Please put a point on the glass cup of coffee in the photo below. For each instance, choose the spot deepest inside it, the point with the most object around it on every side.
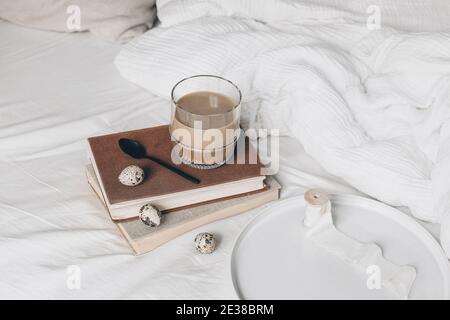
(205, 118)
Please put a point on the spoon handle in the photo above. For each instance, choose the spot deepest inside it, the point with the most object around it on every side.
(175, 170)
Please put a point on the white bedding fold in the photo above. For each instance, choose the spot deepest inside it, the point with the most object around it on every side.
(371, 107)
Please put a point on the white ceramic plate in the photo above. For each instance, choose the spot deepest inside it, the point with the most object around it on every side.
(272, 258)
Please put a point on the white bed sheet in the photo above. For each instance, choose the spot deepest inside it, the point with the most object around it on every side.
(55, 91)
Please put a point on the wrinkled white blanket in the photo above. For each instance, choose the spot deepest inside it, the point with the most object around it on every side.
(371, 106)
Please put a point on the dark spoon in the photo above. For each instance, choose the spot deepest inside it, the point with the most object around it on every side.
(136, 150)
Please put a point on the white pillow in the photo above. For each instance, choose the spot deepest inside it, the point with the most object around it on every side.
(112, 20)
(407, 15)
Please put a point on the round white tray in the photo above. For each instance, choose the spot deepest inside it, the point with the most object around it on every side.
(272, 258)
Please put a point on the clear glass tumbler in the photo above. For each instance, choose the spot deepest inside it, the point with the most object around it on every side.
(205, 119)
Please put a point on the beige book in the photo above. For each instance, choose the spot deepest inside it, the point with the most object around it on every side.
(143, 239)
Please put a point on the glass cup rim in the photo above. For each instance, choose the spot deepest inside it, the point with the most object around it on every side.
(207, 76)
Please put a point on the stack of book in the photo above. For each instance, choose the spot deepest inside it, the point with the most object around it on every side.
(223, 192)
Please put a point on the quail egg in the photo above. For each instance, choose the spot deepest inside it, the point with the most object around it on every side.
(150, 215)
(205, 242)
(131, 176)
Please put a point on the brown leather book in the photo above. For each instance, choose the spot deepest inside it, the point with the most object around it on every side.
(161, 187)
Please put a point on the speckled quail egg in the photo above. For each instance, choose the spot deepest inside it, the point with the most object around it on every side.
(131, 176)
(205, 242)
(150, 215)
